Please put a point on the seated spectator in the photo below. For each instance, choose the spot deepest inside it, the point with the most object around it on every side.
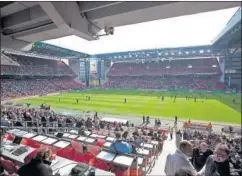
(138, 141)
(136, 132)
(125, 135)
(120, 146)
(39, 166)
(237, 162)
(180, 159)
(117, 129)
(218, 163)
(151, 133)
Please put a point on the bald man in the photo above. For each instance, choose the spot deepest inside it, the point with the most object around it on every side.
(180, 159)
(200, 155)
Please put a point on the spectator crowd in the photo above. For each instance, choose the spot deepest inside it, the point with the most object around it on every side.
(165, 82)
(203, 153)
(199, 153)
(36, 66)
(172, 67)
(14, 88)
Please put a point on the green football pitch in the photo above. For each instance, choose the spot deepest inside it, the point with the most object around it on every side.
(208, 107)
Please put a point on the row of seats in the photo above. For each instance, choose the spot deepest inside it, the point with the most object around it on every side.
(75, 152)
(165, 82)
(36, 66)
(188, 66)
(13, 88)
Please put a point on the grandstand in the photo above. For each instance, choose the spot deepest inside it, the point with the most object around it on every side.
(78, 109)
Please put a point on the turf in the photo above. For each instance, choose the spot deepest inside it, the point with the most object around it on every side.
(209, 106)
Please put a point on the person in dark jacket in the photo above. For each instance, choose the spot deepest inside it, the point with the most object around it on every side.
(217, 164)
(200, 156)
(43, 121)
(39, 166)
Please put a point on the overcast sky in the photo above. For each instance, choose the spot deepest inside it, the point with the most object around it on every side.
(192, 30)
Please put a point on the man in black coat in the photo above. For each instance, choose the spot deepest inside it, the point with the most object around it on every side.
(200, 156)
(39, 166)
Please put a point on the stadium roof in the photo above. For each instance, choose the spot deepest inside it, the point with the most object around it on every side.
(52, 50)
(231, 34)
(181, 52)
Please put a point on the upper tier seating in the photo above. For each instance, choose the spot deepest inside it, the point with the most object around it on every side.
(174, 67)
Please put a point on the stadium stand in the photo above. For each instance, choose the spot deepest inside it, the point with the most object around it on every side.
(173, 67)
(35, 76)
(36, 66)
(14, 88)
(31, 120)
(165, 82)
(198, 74)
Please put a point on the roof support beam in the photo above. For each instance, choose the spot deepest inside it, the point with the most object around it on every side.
(66, 16)
(89, 6)
(24, 18)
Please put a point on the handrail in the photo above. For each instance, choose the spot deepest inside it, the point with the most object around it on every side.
(39, 128)
(36, 125)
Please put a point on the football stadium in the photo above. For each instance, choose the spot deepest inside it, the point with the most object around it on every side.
(86, 90)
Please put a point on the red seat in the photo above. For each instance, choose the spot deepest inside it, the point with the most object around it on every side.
(33, 144)
(100, 142)
(78, 148)
(88, 156)
(30, 156)
(68, 153)
(122, 173)
(9, 137)
(102, 165)
(95, 150)
(133, 172)
(79, 158)
(8, 166)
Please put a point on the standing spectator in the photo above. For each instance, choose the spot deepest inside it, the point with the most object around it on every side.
(178, 138)
(43, 121)
(180, 159)
(200, 156)
(171, 132)
(217, 164)
(185, 135)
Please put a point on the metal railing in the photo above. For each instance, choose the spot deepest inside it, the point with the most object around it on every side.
(41, 127)
(50, 127)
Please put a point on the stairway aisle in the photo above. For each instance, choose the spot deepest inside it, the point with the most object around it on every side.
(169, 147)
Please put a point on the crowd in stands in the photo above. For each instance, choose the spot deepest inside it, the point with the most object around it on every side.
(205, 154)
(198, 74)
(202, 153)
(165, 82)
(13, 88)
(36, 66)
(173, 67)
(128, 138)
(47, 118)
